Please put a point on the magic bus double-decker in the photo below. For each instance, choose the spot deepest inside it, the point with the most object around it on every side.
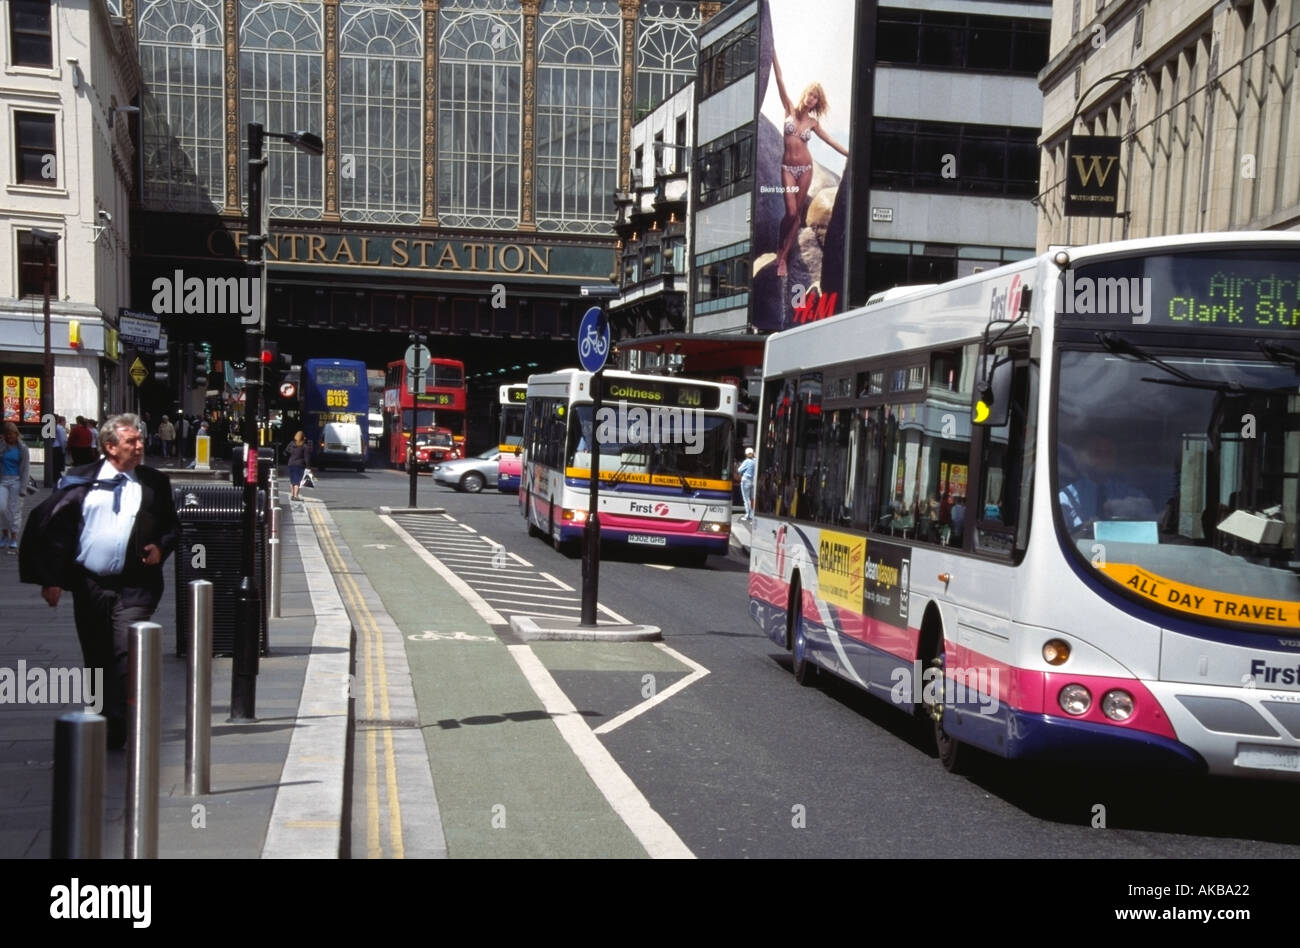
(664, 460)
(440, 406)
(510, 430)
(335, 412)
(1052, 506)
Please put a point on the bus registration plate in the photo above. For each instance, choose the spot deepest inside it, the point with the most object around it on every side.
(646, 540)
(1268, 758)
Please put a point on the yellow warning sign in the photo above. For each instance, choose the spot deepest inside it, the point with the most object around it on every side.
(840, 561)
(138, 372)
(1207, 603)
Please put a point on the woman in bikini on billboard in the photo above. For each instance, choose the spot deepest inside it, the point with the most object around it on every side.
(801, 124)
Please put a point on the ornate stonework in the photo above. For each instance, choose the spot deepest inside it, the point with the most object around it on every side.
(331, 110)
(629, 9)
(528, 146)
(430, 216)
(708, 10)
(233, 192)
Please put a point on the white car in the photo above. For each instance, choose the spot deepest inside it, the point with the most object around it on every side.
(471, 474)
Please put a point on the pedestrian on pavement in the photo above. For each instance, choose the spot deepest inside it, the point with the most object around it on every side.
(299, 456)
(60, 448)
(104, 534)
(81, 443)
(747, 467)
(166, 436)
(15, 462)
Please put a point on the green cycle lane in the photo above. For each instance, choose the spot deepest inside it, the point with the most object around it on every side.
(508, 784)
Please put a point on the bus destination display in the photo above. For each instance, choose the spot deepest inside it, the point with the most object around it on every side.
(1219, 291)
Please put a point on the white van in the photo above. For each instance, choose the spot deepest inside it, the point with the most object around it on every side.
(343, 446)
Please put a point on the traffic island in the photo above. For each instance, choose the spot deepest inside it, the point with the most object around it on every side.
(531, 629)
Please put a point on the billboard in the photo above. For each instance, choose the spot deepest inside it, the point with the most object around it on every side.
(801, 204)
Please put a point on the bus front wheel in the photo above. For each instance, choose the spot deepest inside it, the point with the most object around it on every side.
(528, 517)
(952, 754)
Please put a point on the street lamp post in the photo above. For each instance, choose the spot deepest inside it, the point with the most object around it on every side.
(48, 239)
(243, 679)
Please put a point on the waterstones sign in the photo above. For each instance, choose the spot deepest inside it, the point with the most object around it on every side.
(484, 259)
(1092, 176)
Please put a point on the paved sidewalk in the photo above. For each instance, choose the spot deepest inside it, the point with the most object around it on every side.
(248, 759)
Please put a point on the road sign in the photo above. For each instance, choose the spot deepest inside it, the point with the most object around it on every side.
(593, 340)
(288, 390)
(138, 372)
(412, 354)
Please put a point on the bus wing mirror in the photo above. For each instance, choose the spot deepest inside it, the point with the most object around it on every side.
(992, 407)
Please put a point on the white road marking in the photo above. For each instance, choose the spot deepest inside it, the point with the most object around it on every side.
(612, 614)
(490, 615)
(466, 526)
(659, 565)
(650, 829)
(530, 595)
(519, 559)
(559, 582)
(518, 602)
(531, 584)
(698, 671)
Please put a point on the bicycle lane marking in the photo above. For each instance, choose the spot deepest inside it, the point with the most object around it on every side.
(650, 829)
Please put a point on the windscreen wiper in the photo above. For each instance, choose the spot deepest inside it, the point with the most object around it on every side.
(1279, 353)
(1117, 344)
(1228, 388)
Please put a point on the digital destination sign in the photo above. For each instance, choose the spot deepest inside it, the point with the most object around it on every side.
(661, 392)
(1248, 291)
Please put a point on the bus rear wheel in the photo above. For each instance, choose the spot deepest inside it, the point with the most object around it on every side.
(798, 639)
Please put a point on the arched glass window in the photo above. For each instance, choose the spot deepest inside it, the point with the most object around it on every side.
(578, 84)
(666, 51)
(380, 52)
(183, 121)
(281, 64)
(480, 74)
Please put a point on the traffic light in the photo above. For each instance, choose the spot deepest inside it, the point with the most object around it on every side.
(199, 367)
(162, 369)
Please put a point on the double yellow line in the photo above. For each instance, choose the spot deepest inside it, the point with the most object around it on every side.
(375, 672)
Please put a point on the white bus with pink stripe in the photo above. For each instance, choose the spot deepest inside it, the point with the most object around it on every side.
(1051, 507)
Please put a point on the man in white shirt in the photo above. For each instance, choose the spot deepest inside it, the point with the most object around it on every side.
(104, 534)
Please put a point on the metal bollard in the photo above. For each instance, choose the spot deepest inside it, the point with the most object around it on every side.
(144, 734)
(276, 520)
(273, 593)
(78, 830)
(198, 692)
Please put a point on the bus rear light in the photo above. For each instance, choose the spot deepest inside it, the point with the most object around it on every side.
(1056, 651)
(574, 516)
(1117, 705)
(1075, 699)
(714, 527)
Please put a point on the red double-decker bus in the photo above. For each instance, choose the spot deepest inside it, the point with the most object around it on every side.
(441, 406)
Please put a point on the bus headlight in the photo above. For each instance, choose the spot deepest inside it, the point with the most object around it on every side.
(1056, 651)
(574, 516)
(1074, 699)
(714, 527)
(1117, 705)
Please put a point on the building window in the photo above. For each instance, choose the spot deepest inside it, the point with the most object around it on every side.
(183, 125)
(666, 52)
(962, 41)
(31, 267)
(733, 56)
(281, 85)
(35, 160)
(725, 167)
(30, 40)
(380, 53)
(480, 83)
(991, 160)
(578, 92)
(721, 279)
